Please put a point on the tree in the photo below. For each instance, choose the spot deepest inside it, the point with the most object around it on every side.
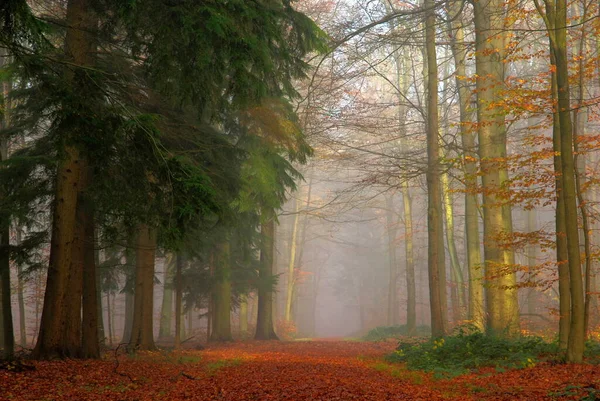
(435, 229)
(490, 41)
(555, 18)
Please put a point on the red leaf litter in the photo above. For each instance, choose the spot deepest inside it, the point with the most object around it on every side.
(309, 370)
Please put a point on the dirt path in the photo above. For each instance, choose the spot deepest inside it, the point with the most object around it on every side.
(315, 370)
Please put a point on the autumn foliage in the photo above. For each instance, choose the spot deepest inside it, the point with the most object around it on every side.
(315, 370)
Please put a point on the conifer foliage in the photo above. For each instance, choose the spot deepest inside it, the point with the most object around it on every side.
(140, 120)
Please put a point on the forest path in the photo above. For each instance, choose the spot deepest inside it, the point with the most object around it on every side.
(301, 370)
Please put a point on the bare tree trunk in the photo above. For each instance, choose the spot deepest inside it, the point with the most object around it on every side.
(435, 230)
(532, 293)
(7, 320)
(502, 301)
(221, 327)
(166, 309)
(90, 341)
(292, 264)
(178, 300)
(244, 316)
(143, 305)
(264, 320)
(392, 307)
(476, 311)
(109, 319)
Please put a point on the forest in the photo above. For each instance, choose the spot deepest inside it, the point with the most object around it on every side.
(299, 199)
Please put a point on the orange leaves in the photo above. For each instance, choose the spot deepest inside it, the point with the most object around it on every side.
(315, 370)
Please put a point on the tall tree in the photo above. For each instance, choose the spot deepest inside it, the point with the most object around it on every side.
(435, 223)
(555, 18)
(5, 290)
(490, 44)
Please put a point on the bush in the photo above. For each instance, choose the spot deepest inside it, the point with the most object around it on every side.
(383, 332)
(459, 354)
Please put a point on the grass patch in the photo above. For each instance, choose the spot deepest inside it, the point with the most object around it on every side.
(456, 355)
(214, 367)
(399, 372)
(384, 332)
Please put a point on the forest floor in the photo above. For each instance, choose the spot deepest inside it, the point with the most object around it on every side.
(301, 370)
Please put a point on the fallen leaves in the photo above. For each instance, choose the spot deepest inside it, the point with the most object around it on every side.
(310, 370)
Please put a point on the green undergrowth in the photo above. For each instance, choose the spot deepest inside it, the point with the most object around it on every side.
(462, 353)
(214, 367)
(384, 332)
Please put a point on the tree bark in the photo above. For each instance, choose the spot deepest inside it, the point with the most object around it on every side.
(221, 327)
(166, 309)
(78, 51)
(90, 346)
(502, 301)
(264, 320)
(291, 273)
(8, 339)
(178, 299)
(476, 312)
(143, 305)
(392, 305)
(435, 230)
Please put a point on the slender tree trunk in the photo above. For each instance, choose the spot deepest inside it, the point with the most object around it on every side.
(576, 343)
(392, 307)
(264, 320)
(221, 327)
(555, 18)
(579, 117)
(109, 320)
(21, 302)
(411, 288)
(532, 293)
(435, 230)
(502, 301)
(244, 316)
(143, 305)
(178, 299)
(562, 257)
(476, 312)
(292, 264)
(90, 340)
(166, 310)
(101, 335)
(7, 320)
(78, 51)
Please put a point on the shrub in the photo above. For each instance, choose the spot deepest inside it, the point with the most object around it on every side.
(383, 332)
(459, 354)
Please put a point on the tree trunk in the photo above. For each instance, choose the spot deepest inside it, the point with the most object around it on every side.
(576, 342)
(264, 320)
(244, 316)
(7, 320)
(101, 335)
(78, 51)
(109, 320)
(532, 293)
(166, 309)
(392, 306)
(221, 327)
(435, 230)
(502, 301)
(90, 340)
(143, 305)
(476, 311)
(291, 279)
(178, 299)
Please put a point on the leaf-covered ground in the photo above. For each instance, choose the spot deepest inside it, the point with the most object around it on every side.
(311, 370)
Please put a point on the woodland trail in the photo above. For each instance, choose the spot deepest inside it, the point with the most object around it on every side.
(311, 370)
